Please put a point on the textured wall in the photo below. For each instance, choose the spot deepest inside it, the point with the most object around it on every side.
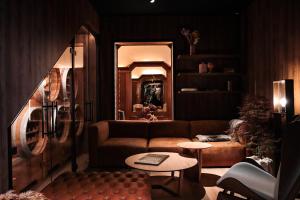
(33, 35)
(218, 34)
(273, 45)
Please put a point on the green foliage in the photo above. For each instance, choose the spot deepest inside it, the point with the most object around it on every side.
(257, 112)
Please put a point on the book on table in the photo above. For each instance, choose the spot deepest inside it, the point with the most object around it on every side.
(152, 159)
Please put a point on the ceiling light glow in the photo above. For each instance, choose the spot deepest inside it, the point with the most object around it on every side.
(152, 1)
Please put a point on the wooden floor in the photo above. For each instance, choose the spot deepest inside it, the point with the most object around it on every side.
(192, 190)
(210, 189)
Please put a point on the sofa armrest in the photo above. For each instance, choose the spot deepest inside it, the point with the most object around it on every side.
(97, 133)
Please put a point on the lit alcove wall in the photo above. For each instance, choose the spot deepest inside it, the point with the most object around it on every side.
(134, 53)
(141, 60)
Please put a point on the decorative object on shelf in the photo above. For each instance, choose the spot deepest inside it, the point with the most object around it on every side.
(192, 37)
(210, 66)
(256, 128)
(202, 68)
(138, 107)
(228, 70)
(188, 89)
(229, 86)
(121, 114)
(283, 98)
(149, 112)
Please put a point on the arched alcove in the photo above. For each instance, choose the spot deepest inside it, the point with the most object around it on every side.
(138, 68)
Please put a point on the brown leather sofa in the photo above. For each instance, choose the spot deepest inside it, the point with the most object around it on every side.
(111, 142)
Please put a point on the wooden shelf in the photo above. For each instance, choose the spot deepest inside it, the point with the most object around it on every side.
(208, 81)
(212, 100)
(200, 56)
(208, 92)
(207, 74)
(186, 63)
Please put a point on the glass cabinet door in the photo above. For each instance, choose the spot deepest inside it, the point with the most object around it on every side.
(61, 106)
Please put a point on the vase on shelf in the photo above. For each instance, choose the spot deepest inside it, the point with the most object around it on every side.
(202, 68)
(210, 66)
(192, 49)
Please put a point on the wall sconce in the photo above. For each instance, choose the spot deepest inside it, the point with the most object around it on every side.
(283, 97)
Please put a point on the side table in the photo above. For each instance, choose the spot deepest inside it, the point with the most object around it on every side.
(196, 146)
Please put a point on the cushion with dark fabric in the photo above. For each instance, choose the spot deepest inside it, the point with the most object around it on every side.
(169, 129)
(208, 127)
(166, 144)
(128, 129)
(213, 138)
(100, 185)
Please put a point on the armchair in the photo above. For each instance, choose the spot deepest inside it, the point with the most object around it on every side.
(252, 182)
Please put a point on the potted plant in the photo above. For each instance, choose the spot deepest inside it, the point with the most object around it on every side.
(256, 130)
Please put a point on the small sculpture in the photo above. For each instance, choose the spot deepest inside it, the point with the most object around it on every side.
(192, 37)
(149, 112)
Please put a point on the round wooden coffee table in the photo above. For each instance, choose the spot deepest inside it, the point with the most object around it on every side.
(196, 146)
(174, 162)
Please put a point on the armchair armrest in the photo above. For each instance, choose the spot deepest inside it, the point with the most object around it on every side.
(97, 133)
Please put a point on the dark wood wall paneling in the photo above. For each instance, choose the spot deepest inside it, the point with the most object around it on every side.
(218, 34)
(273, 45)
(33, 35)
(3, 112)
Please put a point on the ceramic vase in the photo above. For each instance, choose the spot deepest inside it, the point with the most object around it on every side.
(192, 49)
(210, 66)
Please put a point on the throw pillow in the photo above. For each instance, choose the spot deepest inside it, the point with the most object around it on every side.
(242, 132)
(213, 138)
(233, 129)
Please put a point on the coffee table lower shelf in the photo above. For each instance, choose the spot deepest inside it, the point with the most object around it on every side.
(163, 182)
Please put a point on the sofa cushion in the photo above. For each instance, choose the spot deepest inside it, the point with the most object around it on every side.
(114, 151)
(169, 129)
(128, 129)
(223, 154)
(208, 127)
(125, 143)
(213, 138)
(166, 144)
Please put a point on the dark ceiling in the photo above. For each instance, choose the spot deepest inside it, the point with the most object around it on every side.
(169, 7)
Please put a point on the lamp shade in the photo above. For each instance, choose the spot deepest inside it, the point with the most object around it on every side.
(283, 97)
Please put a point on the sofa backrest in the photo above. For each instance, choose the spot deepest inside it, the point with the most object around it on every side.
(207, 127)
(129, 129)
(169, 129)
